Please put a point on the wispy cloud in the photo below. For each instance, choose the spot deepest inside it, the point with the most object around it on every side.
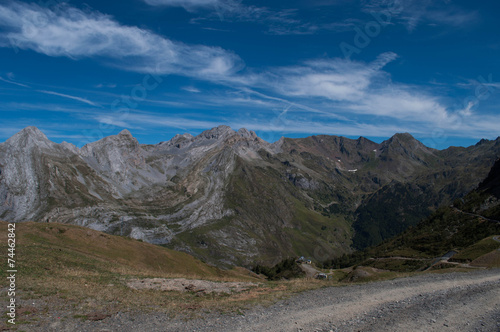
(191, 89)
(106, 85)
(416, 12)
(278, 22)
(187, 4)
(70, 32)
(113, 121)
(12, 82)
(137, 120)
(309, 28)
(411, 13)
(309, 126)
(335, 89)
(83, 100)
(347, 88)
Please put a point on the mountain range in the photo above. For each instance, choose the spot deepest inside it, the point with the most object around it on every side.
(231, 198)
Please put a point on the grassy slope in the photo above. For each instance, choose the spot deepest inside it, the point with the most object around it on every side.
(477, 250)
(76, 271)
(50, 247)
(89, 269)
(293, 229)
(447, 229)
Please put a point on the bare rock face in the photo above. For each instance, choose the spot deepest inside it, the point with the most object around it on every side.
(21, 174)
(121, 160)
(229, 197)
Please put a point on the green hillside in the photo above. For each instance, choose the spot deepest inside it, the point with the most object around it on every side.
(467, 227)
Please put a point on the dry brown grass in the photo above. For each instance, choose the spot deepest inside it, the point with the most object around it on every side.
(84, 271)
(490, 260)
(88, 269)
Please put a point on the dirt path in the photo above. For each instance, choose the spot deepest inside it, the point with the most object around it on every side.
(476, 215)
(430, 302)
(362, 305)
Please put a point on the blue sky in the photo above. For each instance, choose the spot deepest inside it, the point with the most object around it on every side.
(80, 71)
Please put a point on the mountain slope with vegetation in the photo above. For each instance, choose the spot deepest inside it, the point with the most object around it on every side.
(467, 227)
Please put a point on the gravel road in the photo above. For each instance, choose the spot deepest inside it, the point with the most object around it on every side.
(430, 302)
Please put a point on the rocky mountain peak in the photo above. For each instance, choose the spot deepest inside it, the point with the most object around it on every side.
(124, 138)
(112, 149)
(403, 137)
(405, 140)
(29, 137)
(362, 139)
(69, 146)
(125, 132)
(404, 153)
(219, 132)
(183, 136)
(486, 141)
(179, 141)
(245, 133)
(362, 142)
(32, 132)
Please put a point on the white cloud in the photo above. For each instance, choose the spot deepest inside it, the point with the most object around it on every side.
(493, 85)
(191, 89)
(106, 85)
(279, 22)
(188, 4)
(70, 32)
(398, 103)
(328, 89)
(346, 87)
(83, 100)
(9, 130)
(113, 121)
(12, 82)
(136, 120)
(467, 111)
(335, 79)
(415, 12)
